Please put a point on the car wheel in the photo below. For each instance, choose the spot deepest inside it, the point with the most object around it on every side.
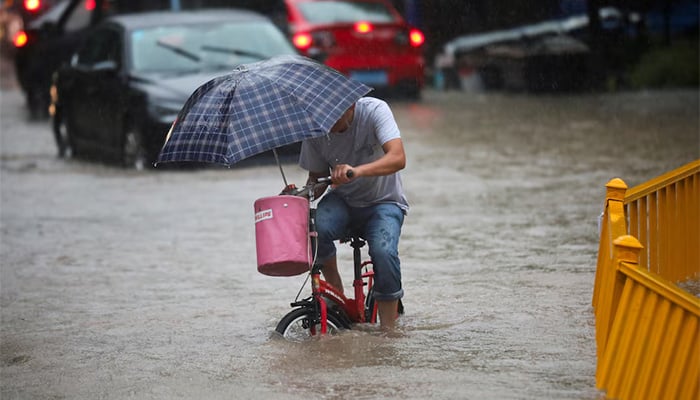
(133, 152)
(62, 135)
(38, 104)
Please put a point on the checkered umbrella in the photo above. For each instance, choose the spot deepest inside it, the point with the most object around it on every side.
(259, 107)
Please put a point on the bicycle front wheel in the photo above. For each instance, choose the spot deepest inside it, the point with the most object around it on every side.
(301, 324)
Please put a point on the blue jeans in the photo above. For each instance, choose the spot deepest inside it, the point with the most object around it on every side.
(380, 225)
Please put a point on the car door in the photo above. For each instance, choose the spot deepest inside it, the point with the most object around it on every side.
(96, 89)
(109, 82)
(78, 91)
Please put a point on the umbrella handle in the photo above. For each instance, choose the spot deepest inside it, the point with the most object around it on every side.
(284, 178)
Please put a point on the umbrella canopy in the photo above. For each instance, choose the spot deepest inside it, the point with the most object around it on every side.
(259, 107)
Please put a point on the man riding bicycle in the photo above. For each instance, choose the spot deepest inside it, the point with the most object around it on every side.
(368, 200)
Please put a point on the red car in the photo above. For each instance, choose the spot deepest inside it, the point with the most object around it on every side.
(368, 40)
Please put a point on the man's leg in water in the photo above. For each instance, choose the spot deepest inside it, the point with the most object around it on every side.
(388, 313)
(330, 273)
(382, 232)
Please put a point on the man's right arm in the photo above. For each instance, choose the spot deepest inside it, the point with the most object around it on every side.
(311, 160)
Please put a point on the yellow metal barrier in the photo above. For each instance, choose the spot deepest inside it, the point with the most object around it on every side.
(664, 215)
(648, 329)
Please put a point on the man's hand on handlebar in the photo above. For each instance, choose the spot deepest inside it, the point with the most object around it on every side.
(290, 190)
(342, 173)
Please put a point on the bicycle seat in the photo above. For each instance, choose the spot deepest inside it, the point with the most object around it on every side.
(350, 235)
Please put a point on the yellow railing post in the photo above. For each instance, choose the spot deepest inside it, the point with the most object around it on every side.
(612, 226)
(626, 249)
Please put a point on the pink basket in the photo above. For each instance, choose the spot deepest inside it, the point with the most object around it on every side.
(282, 235)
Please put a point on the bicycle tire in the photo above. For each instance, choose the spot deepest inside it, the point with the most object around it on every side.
(370, 305)
(295, 325)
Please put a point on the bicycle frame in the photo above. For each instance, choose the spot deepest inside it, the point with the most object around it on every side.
(354, 308)
(348, 310)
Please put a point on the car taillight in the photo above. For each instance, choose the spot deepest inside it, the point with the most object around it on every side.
(32, 5)
(363, 27)
(20, 39)
(416, 37)
(89, 5)
(302, 41)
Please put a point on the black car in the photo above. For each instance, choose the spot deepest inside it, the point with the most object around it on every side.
(124, 87)
(59, 27)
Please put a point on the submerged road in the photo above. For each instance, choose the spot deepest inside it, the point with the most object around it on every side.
(120, 284)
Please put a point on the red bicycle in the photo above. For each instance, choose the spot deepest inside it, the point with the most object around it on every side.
(327, 310)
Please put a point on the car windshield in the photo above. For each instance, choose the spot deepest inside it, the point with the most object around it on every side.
(323, 12)
(173, 49)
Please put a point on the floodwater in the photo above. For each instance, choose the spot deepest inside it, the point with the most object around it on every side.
(119, 284)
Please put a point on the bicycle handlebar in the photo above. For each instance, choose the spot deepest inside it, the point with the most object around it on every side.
(325, 179)
(306, 190)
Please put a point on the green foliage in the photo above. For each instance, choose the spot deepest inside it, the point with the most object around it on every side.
(669, 66)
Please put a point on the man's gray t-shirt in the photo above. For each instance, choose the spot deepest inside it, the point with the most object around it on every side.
(373, 125)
